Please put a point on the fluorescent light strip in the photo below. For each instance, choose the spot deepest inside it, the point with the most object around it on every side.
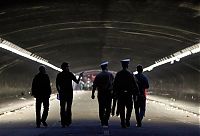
(174, 57)
(22, 52)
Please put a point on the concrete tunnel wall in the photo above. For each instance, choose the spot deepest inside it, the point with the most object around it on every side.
(16, 75)
(178, 81)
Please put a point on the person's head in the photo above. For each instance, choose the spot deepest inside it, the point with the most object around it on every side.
(42, 69)
(125, 63)
(139, 68)
(104, 65)
(65, 66)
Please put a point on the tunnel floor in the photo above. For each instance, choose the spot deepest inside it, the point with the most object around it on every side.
(160, 120)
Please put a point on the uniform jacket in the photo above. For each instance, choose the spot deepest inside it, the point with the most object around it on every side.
(125, 81)
(103, 82)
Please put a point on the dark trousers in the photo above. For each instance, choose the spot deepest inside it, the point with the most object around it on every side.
(65, 110)
(114, 105)
(125, 104)
(140, 108)
(39, 102)
(104, 108)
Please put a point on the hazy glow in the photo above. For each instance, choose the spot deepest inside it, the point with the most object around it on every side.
(22, 52)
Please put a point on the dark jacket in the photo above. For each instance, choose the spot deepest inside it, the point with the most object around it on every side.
(64, 82)
(142, 82)
(41, 86)
(125, 81)
(104, 82)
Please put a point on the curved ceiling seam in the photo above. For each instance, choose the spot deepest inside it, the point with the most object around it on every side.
(5, 66)
(192, 67)
(151, 35)
(156, 32)
(167, 34)
(120, 22)
(178, 38)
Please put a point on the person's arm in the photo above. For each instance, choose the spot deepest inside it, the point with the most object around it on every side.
(136, 88)
(49, 85)
(147, 83)
(94, 87)
(80, 75)
(33, 88)
(113, 106)
(93, 91)
(79, 78)
(57, 83)
(116, 86)
(112, 81)
(115, 94)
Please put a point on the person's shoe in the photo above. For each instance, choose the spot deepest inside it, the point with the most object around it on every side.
(38, 126)
(104, 126)
(44, 123)
(102, 123)
(139, 125)
(128, 123)
(106, 123)
(68, 124)
(123, 125)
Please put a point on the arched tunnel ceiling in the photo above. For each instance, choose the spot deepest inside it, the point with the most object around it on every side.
(85, 32)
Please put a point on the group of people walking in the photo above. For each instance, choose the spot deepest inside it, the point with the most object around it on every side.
(114, 93)
(41, 90)
(125, 89)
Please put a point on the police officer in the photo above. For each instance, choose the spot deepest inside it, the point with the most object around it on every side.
(104, 84)
(125, 88)
(140, 105)
(64, 86)
(41, 90)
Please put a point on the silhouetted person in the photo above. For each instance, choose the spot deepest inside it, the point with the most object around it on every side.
(103, 82)
(41, 90)
(125, 88)
(140, 105)
(64, 86)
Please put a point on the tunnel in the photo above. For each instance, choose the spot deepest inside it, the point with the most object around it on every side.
(87, 32)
